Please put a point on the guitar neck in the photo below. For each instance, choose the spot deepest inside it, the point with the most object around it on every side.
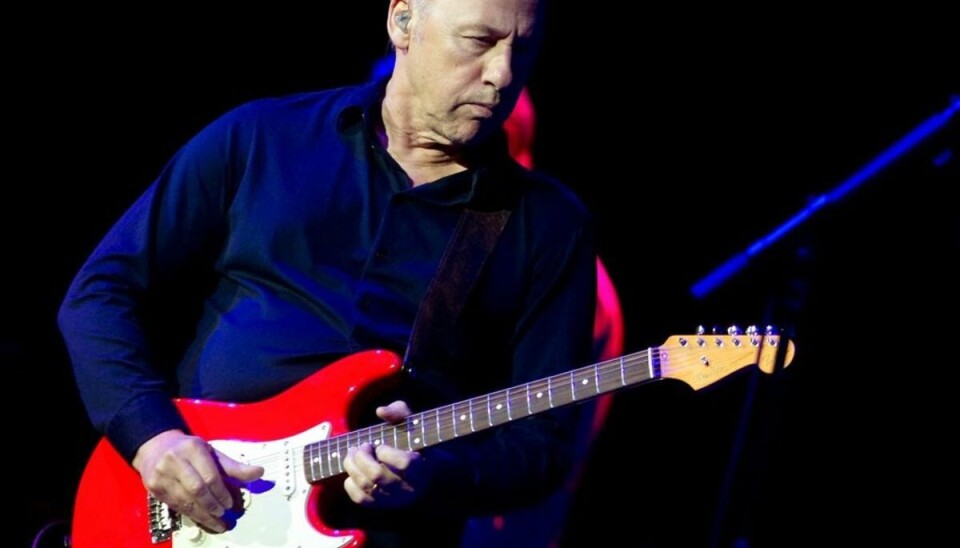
(322, 459)
(698, 360)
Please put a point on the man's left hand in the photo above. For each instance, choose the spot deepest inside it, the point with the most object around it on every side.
(385, 476)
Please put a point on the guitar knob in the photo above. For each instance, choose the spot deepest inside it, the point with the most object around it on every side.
(190, 531)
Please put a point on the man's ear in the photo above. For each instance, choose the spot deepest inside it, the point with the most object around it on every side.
(398, 23)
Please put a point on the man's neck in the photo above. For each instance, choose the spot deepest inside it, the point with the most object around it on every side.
(423, 158)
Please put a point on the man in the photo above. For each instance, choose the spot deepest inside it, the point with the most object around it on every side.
(313, 225)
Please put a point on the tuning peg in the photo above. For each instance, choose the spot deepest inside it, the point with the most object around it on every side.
(734, 333)
(771, 333)
(751, 330)
(701, 330)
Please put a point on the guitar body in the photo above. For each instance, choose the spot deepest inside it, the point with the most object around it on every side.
(302, 435)
(112, 508)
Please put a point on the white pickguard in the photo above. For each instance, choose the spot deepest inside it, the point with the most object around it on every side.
(275, 507)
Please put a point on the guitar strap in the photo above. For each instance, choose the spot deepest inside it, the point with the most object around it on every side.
(473, 239)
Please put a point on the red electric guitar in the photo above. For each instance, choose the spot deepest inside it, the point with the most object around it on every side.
(300, 438)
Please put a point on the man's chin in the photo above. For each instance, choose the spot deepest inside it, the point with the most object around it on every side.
(472, 131)
(467, 135)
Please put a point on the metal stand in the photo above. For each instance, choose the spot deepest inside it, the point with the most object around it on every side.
(783, 309)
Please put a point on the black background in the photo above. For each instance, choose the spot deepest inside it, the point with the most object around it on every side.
(690, 135)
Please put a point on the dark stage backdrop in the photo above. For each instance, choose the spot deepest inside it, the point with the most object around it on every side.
(689, 136)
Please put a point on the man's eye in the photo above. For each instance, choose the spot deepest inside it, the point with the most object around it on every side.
(481, 41)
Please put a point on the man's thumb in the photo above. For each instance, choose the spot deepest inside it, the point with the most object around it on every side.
(239, 470)
(394, 412)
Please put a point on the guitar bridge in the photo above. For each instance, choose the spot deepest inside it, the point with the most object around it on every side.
(163, 520)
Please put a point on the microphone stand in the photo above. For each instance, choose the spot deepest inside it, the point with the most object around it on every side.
(792, 301)
(706, 285)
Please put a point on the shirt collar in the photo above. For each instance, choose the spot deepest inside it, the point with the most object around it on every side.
(359, 113)
(362, 101)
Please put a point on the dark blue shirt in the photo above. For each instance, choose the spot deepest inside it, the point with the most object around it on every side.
(309, 243)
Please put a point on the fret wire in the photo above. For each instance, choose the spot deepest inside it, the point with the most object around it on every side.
(489, 414)
(470, 407)
(320, 454)
(308, 455)
(339, 454)
(550, 392)
(423, 430)
(453, 417)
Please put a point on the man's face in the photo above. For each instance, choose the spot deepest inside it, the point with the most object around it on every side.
(466, 63)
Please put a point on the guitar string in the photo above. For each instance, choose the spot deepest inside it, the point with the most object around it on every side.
(409, 427)
(633, 375)
(633, 367)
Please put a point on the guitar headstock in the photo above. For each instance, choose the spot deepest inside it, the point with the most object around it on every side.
(704, 358)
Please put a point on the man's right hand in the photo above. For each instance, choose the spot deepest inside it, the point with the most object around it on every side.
(192, 477)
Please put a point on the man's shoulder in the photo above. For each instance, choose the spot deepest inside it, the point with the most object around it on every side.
(545, 190)
(299, 105)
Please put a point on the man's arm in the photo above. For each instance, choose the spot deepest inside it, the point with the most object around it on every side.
(173, 227)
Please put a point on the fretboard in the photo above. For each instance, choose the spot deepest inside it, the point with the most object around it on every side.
(323, 459)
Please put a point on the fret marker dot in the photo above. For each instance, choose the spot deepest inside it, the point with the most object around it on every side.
(334, 455)
(377, 442)
(316, 459)
(539, 394)
(463, 417)
(416, 421)
(416, 440)
(499, 406)
(585, 382)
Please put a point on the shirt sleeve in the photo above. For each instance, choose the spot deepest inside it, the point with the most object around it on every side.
(173, 228)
